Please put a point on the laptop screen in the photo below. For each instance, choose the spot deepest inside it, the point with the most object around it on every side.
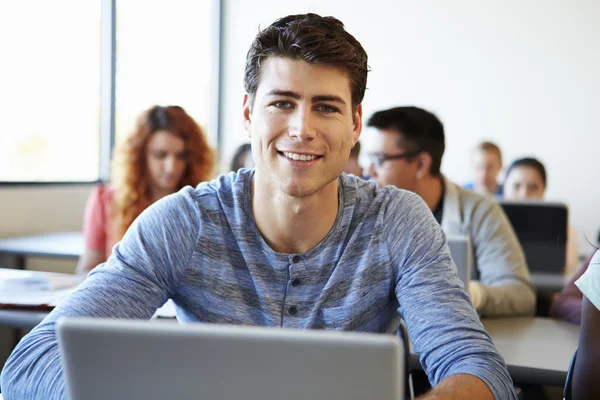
(542, 231)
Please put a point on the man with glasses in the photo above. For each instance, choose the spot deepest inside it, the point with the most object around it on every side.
(407, 148)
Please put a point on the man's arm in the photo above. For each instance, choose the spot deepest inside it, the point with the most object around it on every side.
(504, 287)
(441, 321)
(459, 387)
(137, 279)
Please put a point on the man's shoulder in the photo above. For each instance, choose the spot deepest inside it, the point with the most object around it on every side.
(475, 201)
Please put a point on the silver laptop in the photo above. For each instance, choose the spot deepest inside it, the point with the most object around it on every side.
(461, 252)
(140, 360)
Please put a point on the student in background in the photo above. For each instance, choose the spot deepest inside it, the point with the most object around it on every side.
(166, 151)
(352, 166)
(292, 243)
(526, 180)
(408, 146)
(487, 163)
(586, 384)
(242, 158)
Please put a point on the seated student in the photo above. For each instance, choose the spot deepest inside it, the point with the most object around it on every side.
(166, 151)
(567, 304)
(586, 384)
(293, 243)
(526, 180)
(487, 163)
(352, 166)
(242, 158)
(408, 146)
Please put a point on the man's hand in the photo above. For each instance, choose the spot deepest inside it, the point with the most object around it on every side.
(461, 386)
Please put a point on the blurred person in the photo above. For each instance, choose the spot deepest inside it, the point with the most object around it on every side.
(526, 180)
(408, 145)
(242, 158)
(166, 151)
(487, 163)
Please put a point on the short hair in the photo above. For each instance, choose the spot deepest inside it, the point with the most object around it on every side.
(240, 156)
(490, 148)
(355, 151)
(310, 38)
(531, 163)
(418, 130)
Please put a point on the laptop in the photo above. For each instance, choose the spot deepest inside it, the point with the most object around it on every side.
(461, 253)
(541, 228)
(141, 360)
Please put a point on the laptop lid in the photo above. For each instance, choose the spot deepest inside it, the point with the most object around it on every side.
(541, 228)
(124, 359)
(461, 251)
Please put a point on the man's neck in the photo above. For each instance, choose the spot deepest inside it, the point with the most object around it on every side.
(293, 224)
(431, 190)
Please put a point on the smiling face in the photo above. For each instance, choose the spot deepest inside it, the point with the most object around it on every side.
(301, 125)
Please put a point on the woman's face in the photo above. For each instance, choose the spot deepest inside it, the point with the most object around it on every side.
(524, 183)
(166, 161)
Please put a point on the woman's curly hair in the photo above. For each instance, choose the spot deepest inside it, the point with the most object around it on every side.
(130, 178)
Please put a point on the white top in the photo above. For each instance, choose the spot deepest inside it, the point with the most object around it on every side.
(589, 283)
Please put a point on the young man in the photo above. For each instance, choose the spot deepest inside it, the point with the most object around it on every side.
(487, 163)
(293, 243)
(407, 150)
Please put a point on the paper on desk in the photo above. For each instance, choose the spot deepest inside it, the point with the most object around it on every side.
(48, 298)
(28, 281)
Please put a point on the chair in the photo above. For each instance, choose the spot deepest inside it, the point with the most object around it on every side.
(569, 380)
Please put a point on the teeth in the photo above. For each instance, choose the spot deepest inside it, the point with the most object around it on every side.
(299, 157)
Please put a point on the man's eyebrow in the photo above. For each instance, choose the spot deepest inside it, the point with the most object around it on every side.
(328, 97)
(285, 93)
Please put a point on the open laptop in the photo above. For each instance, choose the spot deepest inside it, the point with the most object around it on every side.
(461, 253)
(140, 360)
(542, 231)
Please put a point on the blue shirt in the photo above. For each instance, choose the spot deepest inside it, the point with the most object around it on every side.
(499, 191)
(200, 247)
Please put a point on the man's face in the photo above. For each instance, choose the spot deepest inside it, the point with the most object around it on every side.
(301, 125)
(486, 166)
(401, 171)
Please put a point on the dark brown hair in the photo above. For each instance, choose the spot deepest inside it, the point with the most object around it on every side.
(314, 39)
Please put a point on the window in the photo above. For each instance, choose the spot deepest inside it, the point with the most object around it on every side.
(164, 57)
(50, 96)
(56, 123)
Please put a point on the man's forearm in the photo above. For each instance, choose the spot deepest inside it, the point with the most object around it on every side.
(461, 386)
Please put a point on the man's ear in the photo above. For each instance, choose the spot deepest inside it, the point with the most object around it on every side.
(357, 129)
(247, 114)
(424, 162)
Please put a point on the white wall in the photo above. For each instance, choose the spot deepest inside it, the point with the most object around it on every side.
(28, 210)
(522, 74)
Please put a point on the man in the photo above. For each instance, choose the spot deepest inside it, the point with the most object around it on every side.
(487, 163)
(407, 149)
(293, 243)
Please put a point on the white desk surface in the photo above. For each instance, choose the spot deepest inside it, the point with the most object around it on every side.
(536, 350)
(57, 244)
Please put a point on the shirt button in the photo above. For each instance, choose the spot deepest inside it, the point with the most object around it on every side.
(295, 282)
(293, 310)
(296, 259)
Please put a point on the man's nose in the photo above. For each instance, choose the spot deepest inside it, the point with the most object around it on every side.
(302, 125)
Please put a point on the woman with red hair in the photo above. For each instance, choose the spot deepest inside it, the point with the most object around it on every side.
(166, 151)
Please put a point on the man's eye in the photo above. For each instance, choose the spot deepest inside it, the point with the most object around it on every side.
(327, 109)
(282, 104)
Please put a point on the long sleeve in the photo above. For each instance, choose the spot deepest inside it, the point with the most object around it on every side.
(504, 279)
(441, 321)
(136, 280)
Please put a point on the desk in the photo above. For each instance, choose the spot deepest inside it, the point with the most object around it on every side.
(536, 350)
(57, 245)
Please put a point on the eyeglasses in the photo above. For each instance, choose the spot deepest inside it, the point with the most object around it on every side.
(379, 158)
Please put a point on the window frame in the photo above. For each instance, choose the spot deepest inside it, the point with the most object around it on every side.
(106, 129)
